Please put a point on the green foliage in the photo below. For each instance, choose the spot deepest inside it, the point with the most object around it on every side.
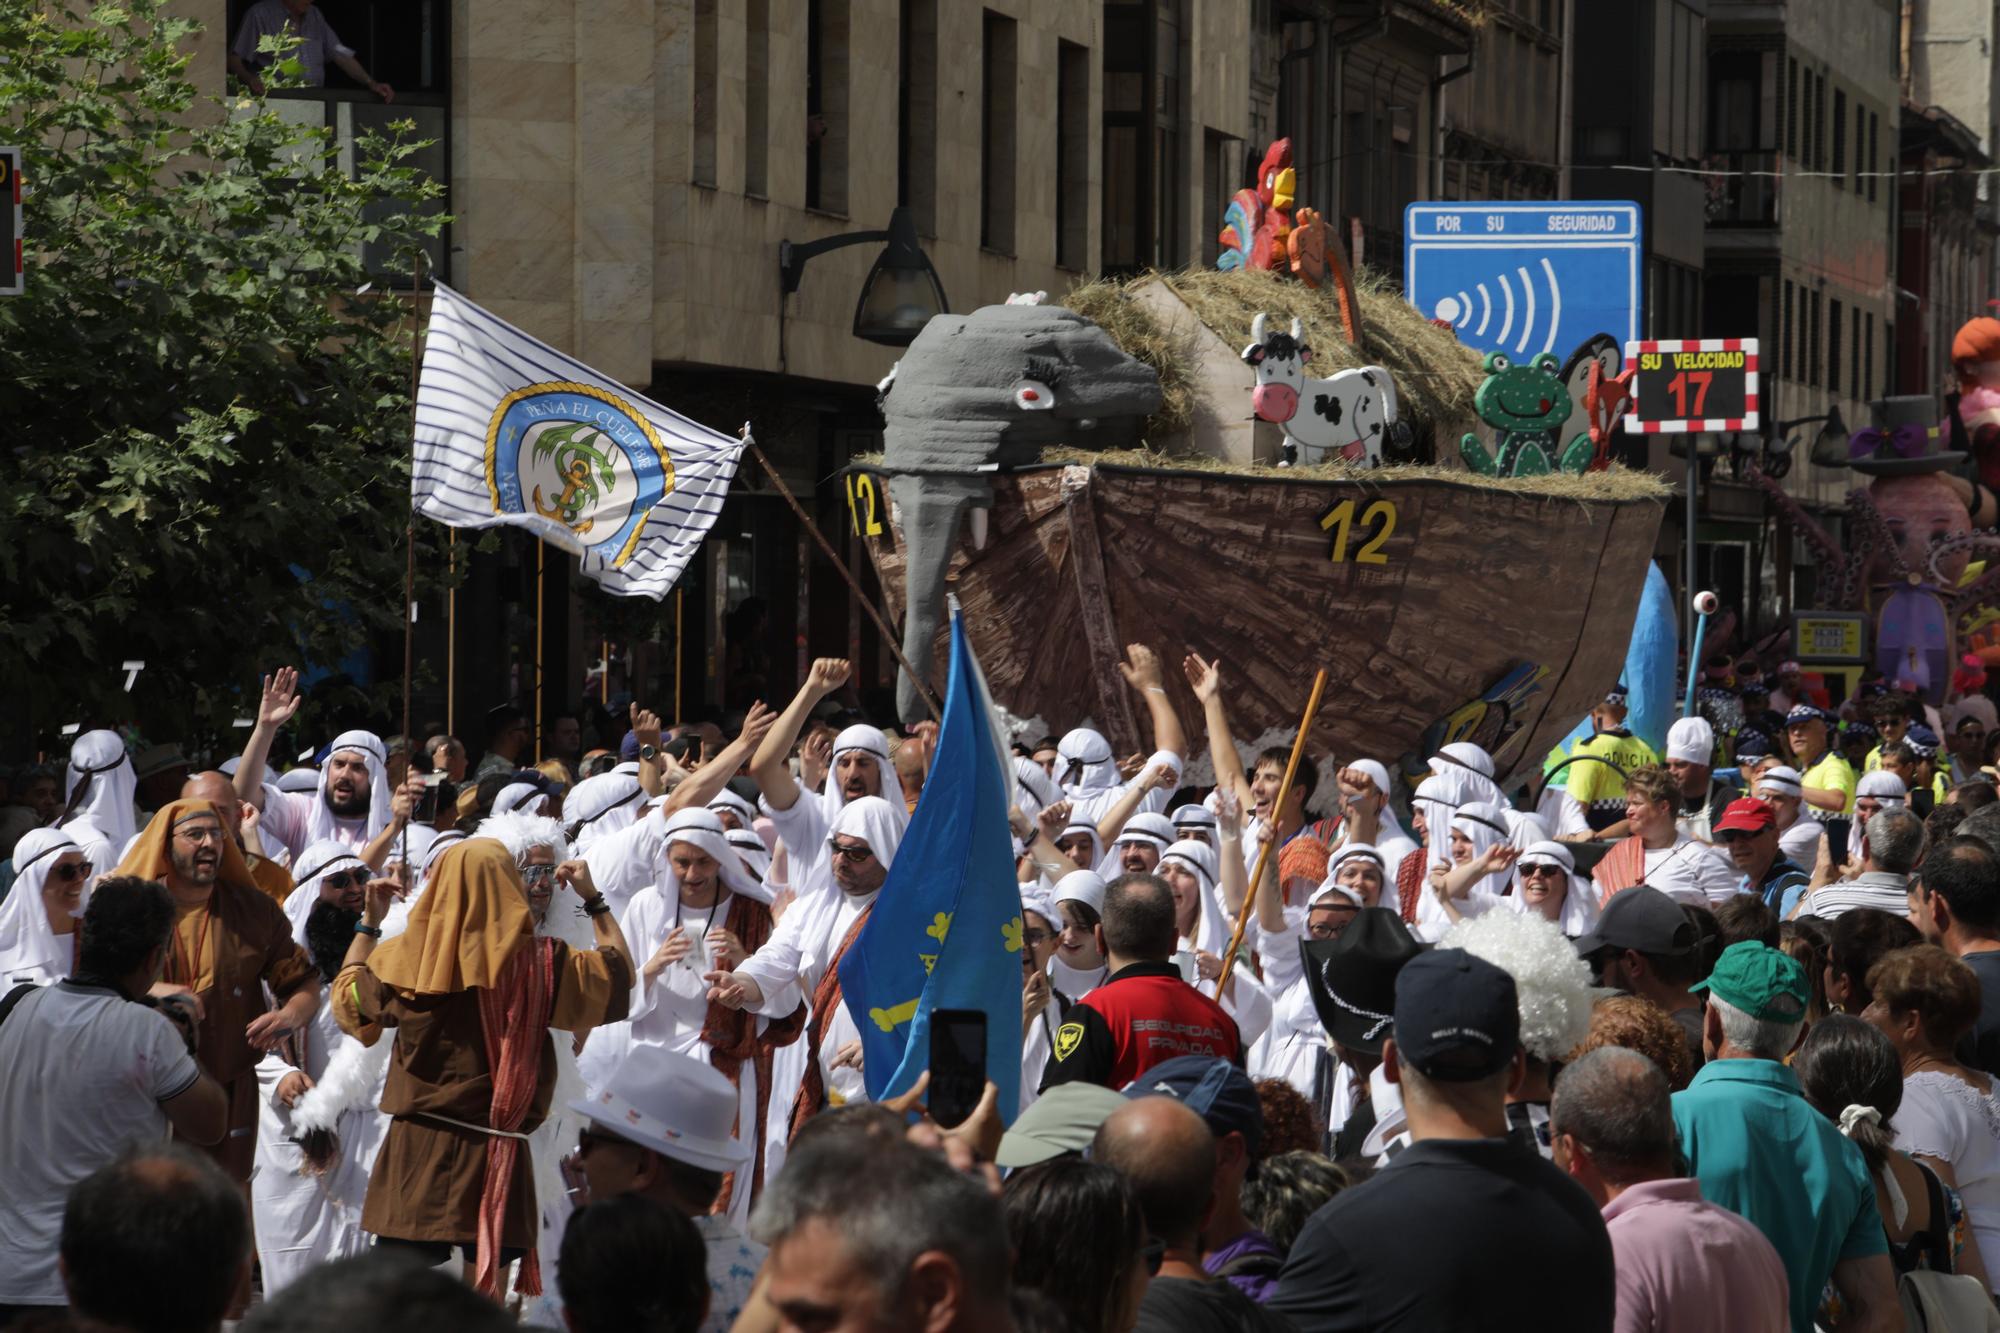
(200, 390)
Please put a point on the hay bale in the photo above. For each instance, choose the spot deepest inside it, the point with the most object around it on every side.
(1436, 375)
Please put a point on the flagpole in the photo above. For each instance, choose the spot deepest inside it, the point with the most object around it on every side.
(1277, 808)
(451, 639)
(680, 594)
(826, 548)
(541, 556)
(410, 545)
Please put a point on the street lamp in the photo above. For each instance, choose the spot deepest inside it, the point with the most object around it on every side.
(902, 291)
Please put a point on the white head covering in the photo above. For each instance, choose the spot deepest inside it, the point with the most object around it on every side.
(598, 807)
(1034, 790)
(701, 830)
(1080, 886)
(1211, 934)
(1147, 827)
(525, 797)
(320, 823)
(1084, 764)
(1782, 780)
(298, 780)
(27, 945)
(1192, 815)
(1434, 797)
(745, 812)
(750, 849)
(419, 838)
(320, 859)
(1523, 828)
(1077, 826)
(1359, 851)
(1042, 904)
(1884, 786)
(868, 740)
(1486, 825)
(1692, 741)
(440, 844)
(1579, 911)
(1468, 773)
(99, 758)
(1389, 827)
(876, 822)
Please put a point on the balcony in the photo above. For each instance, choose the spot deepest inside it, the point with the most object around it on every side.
(1736, 199)
(352, 113)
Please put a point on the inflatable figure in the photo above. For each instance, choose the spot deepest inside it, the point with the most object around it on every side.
(1526, 406)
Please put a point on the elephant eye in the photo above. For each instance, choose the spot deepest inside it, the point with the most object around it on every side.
(1033, 396)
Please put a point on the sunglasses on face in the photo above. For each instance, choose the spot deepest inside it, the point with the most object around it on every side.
(1728, 836)
(587, 1138)
(537, 874)
(345, 879)
(1540, 868)
(852, 855)
(69, 870)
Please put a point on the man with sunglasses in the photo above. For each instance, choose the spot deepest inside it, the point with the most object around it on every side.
(1748, 831)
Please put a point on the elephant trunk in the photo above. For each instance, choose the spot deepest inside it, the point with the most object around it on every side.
(930, 506)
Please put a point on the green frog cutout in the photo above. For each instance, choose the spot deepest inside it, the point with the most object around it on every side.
(1526, 406)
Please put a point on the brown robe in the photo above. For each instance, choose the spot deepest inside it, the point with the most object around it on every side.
(239, 944)
(429, 1175)
(733, 1038)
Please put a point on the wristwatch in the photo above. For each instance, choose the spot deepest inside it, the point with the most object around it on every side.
(648, 753)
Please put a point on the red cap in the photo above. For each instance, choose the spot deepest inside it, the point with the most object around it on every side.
(1747, 815)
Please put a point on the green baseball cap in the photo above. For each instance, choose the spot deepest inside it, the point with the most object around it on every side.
(1767, 984)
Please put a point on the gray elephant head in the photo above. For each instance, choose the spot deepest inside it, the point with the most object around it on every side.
(984, 391)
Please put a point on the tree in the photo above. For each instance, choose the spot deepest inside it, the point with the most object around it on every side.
(205, 392)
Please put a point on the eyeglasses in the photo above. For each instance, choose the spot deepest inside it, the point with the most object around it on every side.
(198, 836)
(1540, 868)
(69, 870)
(537, 874)
(1032, 935)
(852, 855)
(345, 879)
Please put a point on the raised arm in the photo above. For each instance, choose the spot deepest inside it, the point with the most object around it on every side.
(1130, 799)
(706, 783)
(1205, 678)
(274, 710)
(1141, 669)
(653, 771)
(769, 764)
(400, 806)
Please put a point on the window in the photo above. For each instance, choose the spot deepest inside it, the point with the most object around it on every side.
(1867, 388)
(996, 134)
(1860, 142)
(1874, 158)
(1785, 334)
(916, 115)
(826, 105)
(1833, 348)
(757, 98)
(702, 169)
(1072, 155)
(1816, 123)
(1839, 136)
(1811, 367)
(1792, 108)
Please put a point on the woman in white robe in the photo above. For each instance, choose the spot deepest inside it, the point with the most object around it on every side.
(41, 912)
(1191, 871)
(1290, 1049)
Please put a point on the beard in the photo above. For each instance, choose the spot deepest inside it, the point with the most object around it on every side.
(353, 805)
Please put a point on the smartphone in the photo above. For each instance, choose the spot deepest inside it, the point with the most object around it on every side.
(427, 804)
(958, 1064)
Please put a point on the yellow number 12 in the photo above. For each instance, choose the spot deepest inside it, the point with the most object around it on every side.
(1339, 520)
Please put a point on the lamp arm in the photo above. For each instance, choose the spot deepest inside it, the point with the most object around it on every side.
(792, 255)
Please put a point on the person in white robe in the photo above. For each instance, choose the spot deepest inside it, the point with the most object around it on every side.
(598, 807)
(1078, 967)
(1042, 1004)
(1543, 881)
(1366, 817)
(1799, 834)
(99, 789)
(1468, 769)
(328, 871)
(339, 808)
(1290, 1049)
(1192, 870)
(1193, 822)
(1138, 847)
(1876, 791)
(40, 916)
(525, 797)
(735, 812)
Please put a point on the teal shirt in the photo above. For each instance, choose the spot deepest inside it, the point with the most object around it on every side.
(1760, 1150)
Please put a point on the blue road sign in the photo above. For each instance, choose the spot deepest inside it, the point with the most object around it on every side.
(1525, 278)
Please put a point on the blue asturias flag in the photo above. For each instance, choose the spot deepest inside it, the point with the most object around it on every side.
(946, 932)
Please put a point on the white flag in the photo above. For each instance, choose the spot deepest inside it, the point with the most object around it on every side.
(509, 430)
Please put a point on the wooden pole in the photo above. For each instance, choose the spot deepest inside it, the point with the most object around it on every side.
(604, 677)
(410, 549)
(451, 638)
(680, 596)
(867, 605)
(1264, 854)
(541, 558)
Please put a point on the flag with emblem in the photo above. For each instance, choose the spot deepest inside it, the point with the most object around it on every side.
(511, 431)
(946, 932)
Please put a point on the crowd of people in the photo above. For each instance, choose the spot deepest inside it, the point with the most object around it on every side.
(1696, 1038)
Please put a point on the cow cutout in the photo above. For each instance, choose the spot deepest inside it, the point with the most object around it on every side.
(1350, 415)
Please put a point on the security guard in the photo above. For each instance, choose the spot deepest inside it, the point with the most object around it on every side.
(1144, 1014)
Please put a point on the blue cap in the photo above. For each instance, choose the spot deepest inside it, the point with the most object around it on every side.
(629, 747)
(1213, 1089)
(1922, 740)
(1804, 713)
(1458, 1019)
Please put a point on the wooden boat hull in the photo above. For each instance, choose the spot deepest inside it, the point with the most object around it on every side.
(1444, 611)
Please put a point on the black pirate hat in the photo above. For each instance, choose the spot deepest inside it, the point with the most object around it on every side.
(1353, 978)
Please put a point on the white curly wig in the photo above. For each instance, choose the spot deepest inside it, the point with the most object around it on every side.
(1551, 982)
(519, 833)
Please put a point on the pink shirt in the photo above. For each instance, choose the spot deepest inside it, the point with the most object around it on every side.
(1688, 1266)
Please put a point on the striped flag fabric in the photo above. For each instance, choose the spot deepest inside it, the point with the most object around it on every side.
(511, 431)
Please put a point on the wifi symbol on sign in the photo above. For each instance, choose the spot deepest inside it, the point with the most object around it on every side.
(1509, 305)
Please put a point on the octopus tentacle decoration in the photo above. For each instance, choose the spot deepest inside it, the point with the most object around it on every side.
(1843, 581)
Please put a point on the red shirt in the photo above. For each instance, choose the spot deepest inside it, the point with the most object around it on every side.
(1143, 1016)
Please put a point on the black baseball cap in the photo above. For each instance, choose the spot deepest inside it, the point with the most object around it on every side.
(1213, 1089)
(1457, 1016)
(1641, 918)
